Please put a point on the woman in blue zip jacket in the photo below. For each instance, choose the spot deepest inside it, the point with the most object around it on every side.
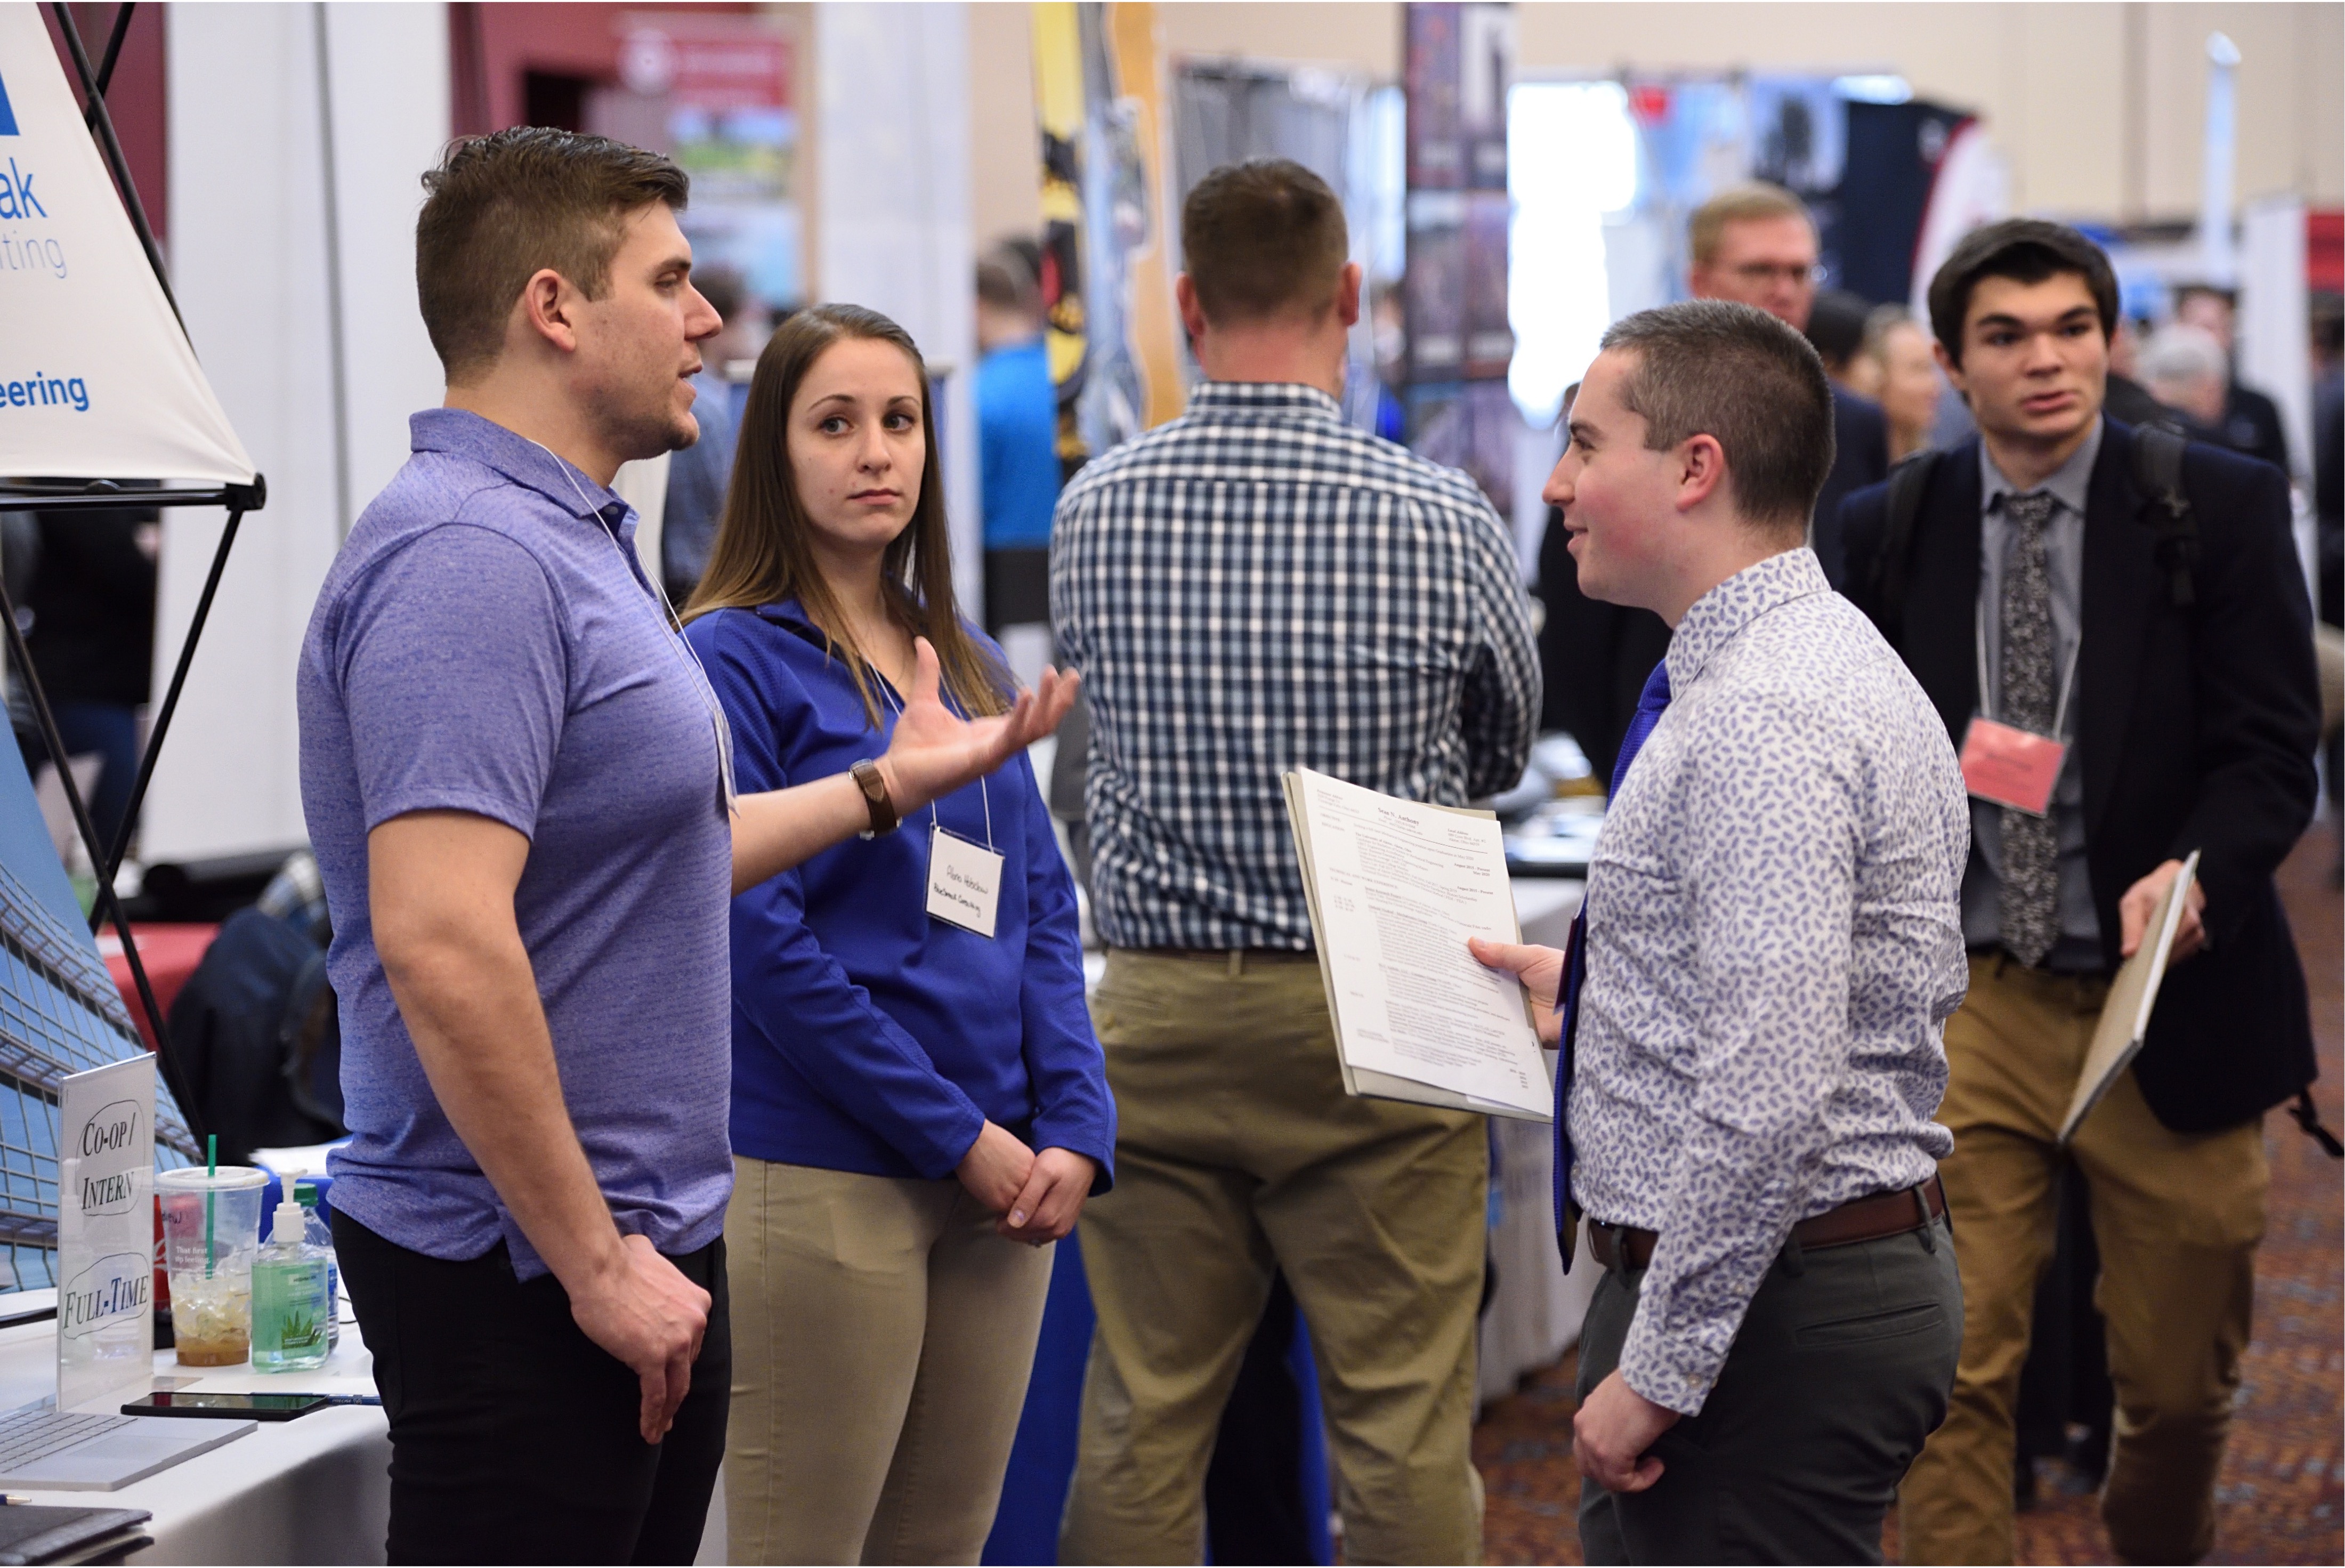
(919, 1105)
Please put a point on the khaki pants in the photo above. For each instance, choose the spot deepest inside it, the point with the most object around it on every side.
(2176, 1216)
(1239, 1152)
(882, 1335)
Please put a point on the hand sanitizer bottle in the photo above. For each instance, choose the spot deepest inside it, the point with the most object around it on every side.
(322, 1236)
(290, 1308)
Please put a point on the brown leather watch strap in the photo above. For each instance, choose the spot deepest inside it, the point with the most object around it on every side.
(874, 785)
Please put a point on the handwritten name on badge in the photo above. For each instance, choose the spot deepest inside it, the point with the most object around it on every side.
(964, 883)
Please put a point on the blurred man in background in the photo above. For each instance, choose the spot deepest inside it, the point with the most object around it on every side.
(1595, 656)
(2184, 367)
(1835, 331)
(1905, 378)
(2249, 422)
(1756, 245)
(697, 475)
(1017, 442)
(91, 632)
(2128, 400)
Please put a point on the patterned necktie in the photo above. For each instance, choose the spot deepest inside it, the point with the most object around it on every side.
(1649, 703)
(2031, 846)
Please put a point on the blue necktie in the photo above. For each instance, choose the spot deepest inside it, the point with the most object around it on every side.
(1649, 703)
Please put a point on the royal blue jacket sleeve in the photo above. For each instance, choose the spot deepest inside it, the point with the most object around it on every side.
(1073, 1107)
(790, 995)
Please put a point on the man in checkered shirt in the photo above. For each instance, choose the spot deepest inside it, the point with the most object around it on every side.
(1252, 588)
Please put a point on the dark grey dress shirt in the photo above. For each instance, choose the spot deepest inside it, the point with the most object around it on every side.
(2079, 944)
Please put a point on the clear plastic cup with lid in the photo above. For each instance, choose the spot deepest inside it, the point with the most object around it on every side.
(211, 1233)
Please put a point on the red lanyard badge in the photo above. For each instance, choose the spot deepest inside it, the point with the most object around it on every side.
(2005, 765)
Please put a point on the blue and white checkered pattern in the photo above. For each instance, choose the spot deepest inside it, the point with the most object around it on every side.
(1257, 587)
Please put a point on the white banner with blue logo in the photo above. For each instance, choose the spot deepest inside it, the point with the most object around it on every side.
(97, 378)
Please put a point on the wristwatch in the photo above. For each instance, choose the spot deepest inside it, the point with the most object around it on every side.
(874, 785)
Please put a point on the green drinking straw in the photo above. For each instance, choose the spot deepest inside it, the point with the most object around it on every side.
(211, 1168)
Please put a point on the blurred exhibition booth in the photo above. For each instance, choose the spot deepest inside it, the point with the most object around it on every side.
(1517, 177)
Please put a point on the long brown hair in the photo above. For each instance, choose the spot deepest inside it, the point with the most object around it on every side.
(761, 554)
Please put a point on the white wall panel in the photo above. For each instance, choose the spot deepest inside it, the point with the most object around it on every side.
(892, 189)
(248, 260)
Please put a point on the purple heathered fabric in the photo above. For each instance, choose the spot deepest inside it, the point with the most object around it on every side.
(484, 643)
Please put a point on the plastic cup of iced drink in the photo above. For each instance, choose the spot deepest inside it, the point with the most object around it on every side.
(211, 1231)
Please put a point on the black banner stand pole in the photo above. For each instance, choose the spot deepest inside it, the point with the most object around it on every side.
(113, 53)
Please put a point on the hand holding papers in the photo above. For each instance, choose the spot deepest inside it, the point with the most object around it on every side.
(1395, 887)
(2124, 1017)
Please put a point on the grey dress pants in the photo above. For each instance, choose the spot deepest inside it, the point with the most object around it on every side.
(1841, 1368)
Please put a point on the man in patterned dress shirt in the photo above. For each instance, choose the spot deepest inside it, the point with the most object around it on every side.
(1252, 588)
(1752, 1028)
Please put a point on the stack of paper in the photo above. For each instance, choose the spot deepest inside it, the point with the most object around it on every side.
(1395, 887)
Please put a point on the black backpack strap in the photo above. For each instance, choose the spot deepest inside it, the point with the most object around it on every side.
(2308, 1119)
(1908, 483)
(2158, 473)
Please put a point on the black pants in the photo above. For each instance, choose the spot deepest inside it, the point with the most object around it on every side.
(1841, 1368)
(514, 1437)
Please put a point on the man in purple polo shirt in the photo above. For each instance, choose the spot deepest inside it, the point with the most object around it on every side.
(517, 786)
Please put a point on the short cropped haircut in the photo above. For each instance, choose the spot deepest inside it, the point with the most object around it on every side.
(1261, 238)
(501, 208)
(1708, 367)
(1751, 203)
(1003, 283)
(2026, 250)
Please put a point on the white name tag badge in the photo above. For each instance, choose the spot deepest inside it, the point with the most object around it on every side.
(964, 883)
(2009, 767)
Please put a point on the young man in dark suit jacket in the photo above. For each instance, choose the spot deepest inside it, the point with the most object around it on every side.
(2188, 726)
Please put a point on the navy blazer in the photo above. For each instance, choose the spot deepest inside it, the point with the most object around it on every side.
(2197, 731)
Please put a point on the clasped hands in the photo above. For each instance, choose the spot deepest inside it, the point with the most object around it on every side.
(1037, 1196)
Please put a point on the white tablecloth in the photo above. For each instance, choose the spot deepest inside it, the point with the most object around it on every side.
(314, 1490)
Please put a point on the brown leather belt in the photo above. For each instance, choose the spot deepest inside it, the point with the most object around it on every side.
(1884, 1214)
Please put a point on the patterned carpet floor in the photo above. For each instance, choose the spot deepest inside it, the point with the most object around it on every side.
(2282, 1495)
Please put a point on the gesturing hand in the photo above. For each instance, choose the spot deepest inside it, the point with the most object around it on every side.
(1045, 1208)
(935, 751)
(1612, 1432)
(996, 1168)
(2141, 902)
(1540, 969)
(649, 1316)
